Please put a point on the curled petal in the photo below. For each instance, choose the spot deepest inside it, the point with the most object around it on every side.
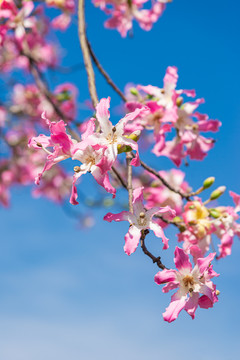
(174, 308)
(132, 239)
(103, 115)
(122, 216)
(203, 263)
(165, 276)
(192, 304)
(181, 259)
(158, 231)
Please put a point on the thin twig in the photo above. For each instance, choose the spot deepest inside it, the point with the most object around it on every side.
(105, 74)
(85, 52)
(161, 178)
(155, 259)
(43, 88)
(129, 182)
(119, 177)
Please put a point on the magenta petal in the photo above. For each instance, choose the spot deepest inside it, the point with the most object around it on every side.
(132, 239)
(165, 276)
(181, 259)
(205, 290)
(174, 308)
(138, 194)
(204, 302)
(122, 216)
(158, 231)
(236, 198)
(170, 286)
(192, 304)
(203, 263)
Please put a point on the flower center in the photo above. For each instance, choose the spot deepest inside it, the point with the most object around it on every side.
(90, 160)
(142, 220)
(188, 282)
(112, 137)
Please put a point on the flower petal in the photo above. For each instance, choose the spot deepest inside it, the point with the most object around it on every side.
(181, 259)
(132, 239)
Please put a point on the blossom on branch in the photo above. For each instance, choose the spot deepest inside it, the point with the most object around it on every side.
(169, 114)
(123, 12)
(191, 283)
(140, 219)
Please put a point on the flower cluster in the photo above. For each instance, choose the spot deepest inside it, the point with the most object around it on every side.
(166, 119)
(168, 113)
(123, 12)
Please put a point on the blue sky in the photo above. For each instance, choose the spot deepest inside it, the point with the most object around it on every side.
(68, 293)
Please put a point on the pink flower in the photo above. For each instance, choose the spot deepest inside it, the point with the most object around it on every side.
(141, 219)
(226, 227)
(61, 142)
(93, 161)
(191, 283)
(113, 135)
(125, 11)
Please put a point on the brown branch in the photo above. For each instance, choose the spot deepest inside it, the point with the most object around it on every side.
(85, 52)
(105, 74)
(43, 88)
(119, 177)
(161, 178)
(155, 259)
(129, 182)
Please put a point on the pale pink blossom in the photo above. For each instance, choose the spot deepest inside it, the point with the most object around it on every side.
(191, 283)
(140, 219)
(123, 12)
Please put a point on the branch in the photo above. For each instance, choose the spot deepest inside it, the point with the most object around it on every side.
(154, 172)
(155, 259)
(85, 52)
(43, 88)
(119, 177)
(129, 182)
(105, 74)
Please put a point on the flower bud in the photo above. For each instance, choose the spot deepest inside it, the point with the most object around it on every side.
(179, 101)
(214, 213)
(126, 148)
(77, 169)
(134, 136)
(208, 182)
(134, 91)
(123, 148)
(177, 219)
(217, 193)
(63, 96)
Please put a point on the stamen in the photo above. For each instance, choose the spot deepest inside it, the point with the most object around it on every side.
(77, 169)
(114, 129)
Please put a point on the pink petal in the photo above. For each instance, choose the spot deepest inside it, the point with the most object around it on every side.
(122, 216)
(158, 231)
(192, 304)
(132, 239)
(174, 308)
(103, 180)
(165, 276)
(204, 302)
(203, 263)
(181, 259)
(103, 115)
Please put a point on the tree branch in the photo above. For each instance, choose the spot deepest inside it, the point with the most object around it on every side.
(85, 52)
(129, 182)
(161, 178)
(155, 259)
(105, 74)
(119, 177)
